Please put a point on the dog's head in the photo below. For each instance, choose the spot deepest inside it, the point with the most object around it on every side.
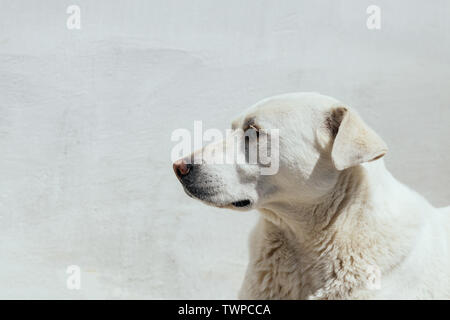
(285, 149)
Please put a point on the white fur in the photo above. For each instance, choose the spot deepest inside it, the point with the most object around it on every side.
(333, 218)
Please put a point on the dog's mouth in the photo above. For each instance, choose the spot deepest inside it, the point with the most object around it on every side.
(212, 197)
(207, 199)
(241, 203)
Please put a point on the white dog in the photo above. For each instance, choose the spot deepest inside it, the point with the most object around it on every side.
(334, 223)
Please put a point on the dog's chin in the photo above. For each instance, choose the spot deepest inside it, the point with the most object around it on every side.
(215, 200)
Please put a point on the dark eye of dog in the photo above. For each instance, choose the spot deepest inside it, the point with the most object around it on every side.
(253, 127)
(251, 141)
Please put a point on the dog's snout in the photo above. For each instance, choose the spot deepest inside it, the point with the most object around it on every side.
(181, 168)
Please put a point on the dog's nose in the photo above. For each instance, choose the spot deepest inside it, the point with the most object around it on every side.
(181, 168)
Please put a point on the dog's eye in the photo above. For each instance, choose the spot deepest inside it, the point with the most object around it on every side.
(254, 128)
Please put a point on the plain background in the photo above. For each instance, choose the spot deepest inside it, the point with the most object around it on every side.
(86, 118)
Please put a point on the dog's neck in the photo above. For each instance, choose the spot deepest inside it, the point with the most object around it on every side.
(329, 214)
(346, 228)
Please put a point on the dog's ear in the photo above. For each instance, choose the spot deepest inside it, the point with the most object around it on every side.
(354, 141)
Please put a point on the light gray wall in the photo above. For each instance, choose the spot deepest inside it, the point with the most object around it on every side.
(86, 118)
